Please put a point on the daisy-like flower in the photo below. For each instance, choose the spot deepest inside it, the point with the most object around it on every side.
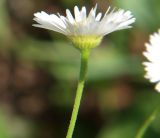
(152, 66)
(85, 30)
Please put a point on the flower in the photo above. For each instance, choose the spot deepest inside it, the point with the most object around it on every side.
(152, 66)
(84, 28)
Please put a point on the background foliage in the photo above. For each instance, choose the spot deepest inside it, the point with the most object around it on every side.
(39, 71)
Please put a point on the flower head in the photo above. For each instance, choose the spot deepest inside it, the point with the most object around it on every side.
(152, 66)
(85, 26)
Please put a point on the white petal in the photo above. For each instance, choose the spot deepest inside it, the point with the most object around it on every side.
(107, 11)
(51, 22)
(126, 23)
(92, 13)
(53, 28)
(95, 8)
(70, 17)
(157, 87)
(98, 17)
(115, 20)
(77, 14)
(83, 13)
(152, 53)
(85, 25)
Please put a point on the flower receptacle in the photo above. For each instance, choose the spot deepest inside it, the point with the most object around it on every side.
(85, 42)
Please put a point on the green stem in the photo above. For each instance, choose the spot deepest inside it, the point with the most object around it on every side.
(146, 124)
(82, 75)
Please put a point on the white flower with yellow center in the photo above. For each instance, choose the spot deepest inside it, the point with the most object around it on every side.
(152, 53)
(85, 31)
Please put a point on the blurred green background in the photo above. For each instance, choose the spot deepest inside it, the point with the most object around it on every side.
(39, 71)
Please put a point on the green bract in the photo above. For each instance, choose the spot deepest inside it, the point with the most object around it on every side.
(85, 42)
